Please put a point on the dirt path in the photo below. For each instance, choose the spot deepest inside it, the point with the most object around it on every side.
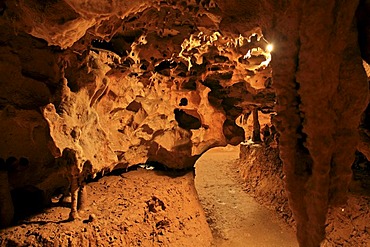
(235, 218)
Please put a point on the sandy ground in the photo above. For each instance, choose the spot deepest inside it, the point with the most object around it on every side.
(138, 208)
(158, 208)
(235, 218)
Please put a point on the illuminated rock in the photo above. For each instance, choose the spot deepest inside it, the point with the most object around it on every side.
(127, 82)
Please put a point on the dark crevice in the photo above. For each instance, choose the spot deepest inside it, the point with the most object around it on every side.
(233, 133)
(2, 7)
(150, 165)
(198, 69)
(183, 102)
(187, 121)
(213, 84)
(191, 84)
(166, 64)
(365, 123)
(134, 106)
(304, 161)
(361, 172)
(27, 201)
(102, 44)
(363, 23)
(113, 46)
(304, 164)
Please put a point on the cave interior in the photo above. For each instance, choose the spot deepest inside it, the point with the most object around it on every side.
(90, 88)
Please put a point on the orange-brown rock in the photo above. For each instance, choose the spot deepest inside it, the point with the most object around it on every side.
(119, 83)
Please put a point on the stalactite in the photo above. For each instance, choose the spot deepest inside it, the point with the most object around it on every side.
(318, 133)
(173, 91)
(256, 136)
(288, 121)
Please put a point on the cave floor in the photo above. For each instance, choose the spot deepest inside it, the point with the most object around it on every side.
(137, 208)
(234, 216)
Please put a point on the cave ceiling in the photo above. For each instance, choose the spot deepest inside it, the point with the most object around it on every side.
(129, 82)
(160, 80)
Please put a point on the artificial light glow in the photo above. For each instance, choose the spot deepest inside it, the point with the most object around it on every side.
(269, 47)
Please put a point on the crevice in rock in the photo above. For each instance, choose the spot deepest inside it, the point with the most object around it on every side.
(187, 121)
(27, 201)
(87, 88)
(183, 102)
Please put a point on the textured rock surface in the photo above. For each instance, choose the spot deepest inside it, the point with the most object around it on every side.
(318, 115)
(261, 169)
(129, 82)
(346, 225)
(165, 94)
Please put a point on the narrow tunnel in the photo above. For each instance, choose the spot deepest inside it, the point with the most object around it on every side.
(235, 217)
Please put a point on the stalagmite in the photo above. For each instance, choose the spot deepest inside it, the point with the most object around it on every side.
(88, 87)
(256, 136)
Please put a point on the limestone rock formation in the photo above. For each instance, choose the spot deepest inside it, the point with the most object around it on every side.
(119, 83)
(318, 115)
(114, 89)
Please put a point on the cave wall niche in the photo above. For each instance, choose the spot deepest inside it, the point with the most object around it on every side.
(104, 80)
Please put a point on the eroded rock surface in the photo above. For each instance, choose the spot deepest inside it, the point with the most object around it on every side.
(126, 82)
(97, 89)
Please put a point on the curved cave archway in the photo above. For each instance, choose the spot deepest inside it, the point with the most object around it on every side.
(105, 83)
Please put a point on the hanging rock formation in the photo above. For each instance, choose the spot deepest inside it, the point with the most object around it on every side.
(319, 107)
(119, 83)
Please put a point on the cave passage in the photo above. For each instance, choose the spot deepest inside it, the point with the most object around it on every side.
(235, 218)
